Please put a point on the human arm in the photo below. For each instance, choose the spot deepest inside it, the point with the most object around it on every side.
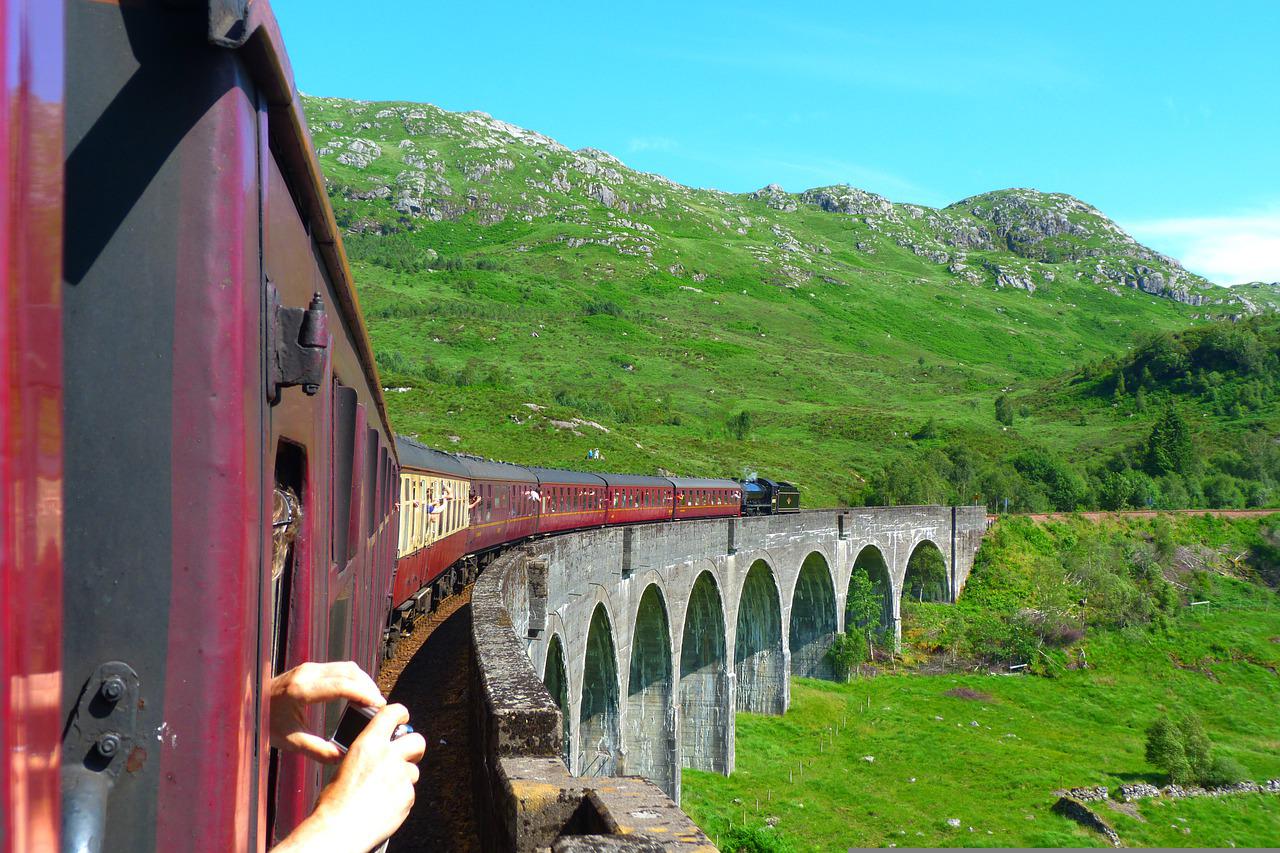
(290, 693)
(371, 794)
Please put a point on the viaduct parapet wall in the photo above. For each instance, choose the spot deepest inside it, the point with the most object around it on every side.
(625, 652)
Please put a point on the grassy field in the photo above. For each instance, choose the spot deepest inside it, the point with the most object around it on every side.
(993, 762)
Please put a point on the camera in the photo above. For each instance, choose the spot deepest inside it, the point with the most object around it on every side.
(352, 723)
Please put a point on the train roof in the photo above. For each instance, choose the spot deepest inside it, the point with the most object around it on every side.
(418, 456)
(484, 469)
(777, 484)
(701, 483)
(559, 475)
(634, 480)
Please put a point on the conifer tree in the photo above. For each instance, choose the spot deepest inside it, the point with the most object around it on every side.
(1169, 449)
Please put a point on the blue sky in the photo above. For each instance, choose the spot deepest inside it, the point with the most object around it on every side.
(1166, 115)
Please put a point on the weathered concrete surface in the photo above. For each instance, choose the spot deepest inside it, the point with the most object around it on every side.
(683, 623)
(528, 799)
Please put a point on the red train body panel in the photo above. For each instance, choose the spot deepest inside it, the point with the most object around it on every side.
(31, 468)
(706, 498)
(633, 499)
(508, 508)
(570, 500)
(215, 354)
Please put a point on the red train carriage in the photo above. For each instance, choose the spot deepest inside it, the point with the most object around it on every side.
(697, 498)
(31, 75)
(508, 508)
(570, 500)
(429, 543)
(633, 499)
(230, 475)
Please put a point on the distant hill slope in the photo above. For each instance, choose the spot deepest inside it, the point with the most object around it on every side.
(531, 302)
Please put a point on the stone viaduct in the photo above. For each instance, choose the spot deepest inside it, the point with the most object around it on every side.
(649, 638)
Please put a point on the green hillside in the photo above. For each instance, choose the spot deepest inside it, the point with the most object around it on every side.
(529, 302)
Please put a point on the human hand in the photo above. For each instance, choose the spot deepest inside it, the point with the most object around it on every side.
(372, 792)
(290, 693)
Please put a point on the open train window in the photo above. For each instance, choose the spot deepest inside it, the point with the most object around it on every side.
(288, 510)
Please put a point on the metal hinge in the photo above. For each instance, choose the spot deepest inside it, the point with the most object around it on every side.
(100, 741)
(297, 339)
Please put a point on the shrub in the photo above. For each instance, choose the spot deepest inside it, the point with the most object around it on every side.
(927, 431)
(754, 839)
(844, 653)
(740, 425)
(1004, 410)
(1224, 771)
(608, 307)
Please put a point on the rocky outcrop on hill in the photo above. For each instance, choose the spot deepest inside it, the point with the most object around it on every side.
(849, 200)
(776, 197)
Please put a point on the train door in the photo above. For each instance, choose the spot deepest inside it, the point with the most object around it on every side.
(311, 436)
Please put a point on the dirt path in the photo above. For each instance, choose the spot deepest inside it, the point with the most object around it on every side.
(1141, 513)
(431, 675)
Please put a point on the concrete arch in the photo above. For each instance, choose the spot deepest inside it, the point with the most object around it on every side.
(556, 678)
(871, 562)
(813, 618)
(759, 661)
(650, 716)
(704, 742)
(926, 577)
(598, 718)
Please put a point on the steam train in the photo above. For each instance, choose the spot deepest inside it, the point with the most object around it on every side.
(492, 505)
(201, 487)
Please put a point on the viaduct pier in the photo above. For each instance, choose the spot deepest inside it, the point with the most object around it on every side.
(626, 652)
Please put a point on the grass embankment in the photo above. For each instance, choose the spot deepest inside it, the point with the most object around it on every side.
(993, 762)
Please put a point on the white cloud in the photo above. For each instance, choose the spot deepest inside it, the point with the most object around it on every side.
(1223, 249)
(652, 143)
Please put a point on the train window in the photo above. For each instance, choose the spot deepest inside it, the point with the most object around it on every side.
(344, 434)
(378, 493)
(401, 542)
(370, 479)
(286, 521)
